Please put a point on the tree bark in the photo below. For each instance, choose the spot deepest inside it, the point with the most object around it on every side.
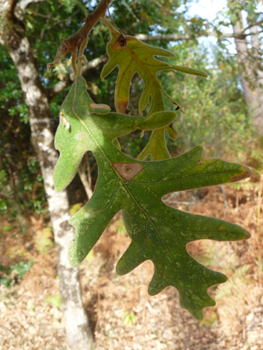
(251, 75)
(13, 37)
(86, 179)
(246, 74)
(256, 58)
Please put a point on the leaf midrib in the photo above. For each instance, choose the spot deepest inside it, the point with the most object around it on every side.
(119, 176)
(147, 72)
(152, 78)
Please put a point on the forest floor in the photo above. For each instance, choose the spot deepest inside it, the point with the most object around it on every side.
(122, 314)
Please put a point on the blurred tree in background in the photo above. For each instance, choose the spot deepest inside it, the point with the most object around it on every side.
(222, 113)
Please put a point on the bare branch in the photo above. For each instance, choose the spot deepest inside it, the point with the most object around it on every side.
(253, 25)
(94, 63)
(80, 38)
(60, 86)
(166, 37)
(177, 37)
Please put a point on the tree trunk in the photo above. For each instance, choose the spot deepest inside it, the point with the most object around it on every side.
(246, 74)
(258, 76)
(79, 335)
(251, 75)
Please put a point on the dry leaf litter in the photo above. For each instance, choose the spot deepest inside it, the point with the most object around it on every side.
(122, 314)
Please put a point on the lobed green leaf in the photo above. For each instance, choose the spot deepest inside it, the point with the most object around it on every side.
(157, 231)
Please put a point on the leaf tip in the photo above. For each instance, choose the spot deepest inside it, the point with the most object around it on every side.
(247, 235)
(58, 188)
(246, 172)
(121, 105)
(198, 315)
(120, 268)
(57, 185)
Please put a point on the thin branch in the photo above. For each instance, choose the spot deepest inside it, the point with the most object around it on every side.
(80, 38)
(178, 37)
(165, 37)
(93, 64)
(252, 25)
(60, 86)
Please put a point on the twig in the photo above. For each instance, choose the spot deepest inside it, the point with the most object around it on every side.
(80, 39)
(130, 10)
(109, 25)
(61, 85)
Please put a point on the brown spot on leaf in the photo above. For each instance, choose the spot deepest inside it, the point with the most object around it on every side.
(122, 40)
(128, 170)
(121, 105)
(65, 122)
(120, 43)
(200, 162)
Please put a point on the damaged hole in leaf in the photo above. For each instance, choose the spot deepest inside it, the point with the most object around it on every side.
(65, 122)
(128, 170)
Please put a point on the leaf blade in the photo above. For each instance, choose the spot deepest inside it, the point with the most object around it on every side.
(158, 232)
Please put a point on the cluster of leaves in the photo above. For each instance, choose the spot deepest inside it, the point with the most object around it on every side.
(157, 231)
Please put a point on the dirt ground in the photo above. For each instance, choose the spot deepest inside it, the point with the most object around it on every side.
(122, 314)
